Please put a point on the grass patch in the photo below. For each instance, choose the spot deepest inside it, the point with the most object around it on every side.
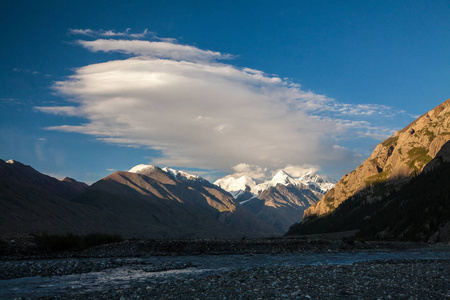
(377, 178)
(429, 134)
(72, 242)
(390, 141)
(418, 158)
(329, 202)
(380, 177)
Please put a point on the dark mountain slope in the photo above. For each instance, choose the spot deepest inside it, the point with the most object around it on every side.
(419, 211)
(16, 172)
(26, 209)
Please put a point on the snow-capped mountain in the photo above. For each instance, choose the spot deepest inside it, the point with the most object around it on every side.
(236, 186)
(311, 180)
(142, 169)
(279, 201)
(281, 177)
(180, 175)
(320, 184)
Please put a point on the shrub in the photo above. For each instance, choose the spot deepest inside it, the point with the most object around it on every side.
(71, 242)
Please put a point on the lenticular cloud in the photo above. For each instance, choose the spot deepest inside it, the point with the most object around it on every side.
(197, 111)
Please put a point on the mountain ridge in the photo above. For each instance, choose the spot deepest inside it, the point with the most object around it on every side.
(399, 157)
(389, 194)
(280, 201)
(151, 203)
(242, 183)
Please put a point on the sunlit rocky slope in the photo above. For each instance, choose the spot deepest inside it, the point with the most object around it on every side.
(401, 156)
(387, 171)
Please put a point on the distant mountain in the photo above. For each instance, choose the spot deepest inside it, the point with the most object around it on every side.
(281, 205)
(281, 201)
(236, 186)
(16, 172)
(160, 203)
(390, 171)
(31, 202)
(147, 202)
(80, 186)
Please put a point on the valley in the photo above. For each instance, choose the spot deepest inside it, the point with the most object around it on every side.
(382, 231)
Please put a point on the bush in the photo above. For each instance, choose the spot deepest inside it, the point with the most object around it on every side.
(71, 242)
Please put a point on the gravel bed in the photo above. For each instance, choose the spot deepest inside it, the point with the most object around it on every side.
(20, 269)
(417, 279)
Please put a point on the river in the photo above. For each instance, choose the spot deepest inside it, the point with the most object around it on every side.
(160, 269)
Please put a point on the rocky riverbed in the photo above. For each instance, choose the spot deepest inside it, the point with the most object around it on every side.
(315, 270)
(376, 280)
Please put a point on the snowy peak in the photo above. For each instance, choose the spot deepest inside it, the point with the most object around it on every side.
(181, 175)
(282, 178)
(244, 183)
(235, 185)
(311, 177)
(317, 183)
(143, 169)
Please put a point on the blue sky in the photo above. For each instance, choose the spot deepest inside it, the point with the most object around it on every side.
(214, 87)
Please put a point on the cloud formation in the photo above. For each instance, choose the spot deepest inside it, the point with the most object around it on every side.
(112, 33)
(200, 113)
(255, 172)
(153, 49)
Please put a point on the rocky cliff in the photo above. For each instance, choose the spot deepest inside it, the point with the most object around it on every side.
(393, 161)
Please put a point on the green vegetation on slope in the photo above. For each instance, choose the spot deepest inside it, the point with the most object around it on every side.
(418, 158)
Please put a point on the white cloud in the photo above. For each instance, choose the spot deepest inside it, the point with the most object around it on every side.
(153, 49)
(253, 171)
(263, 174)
(60, 110)
(203, 114)
(298, 171)
(113, 33)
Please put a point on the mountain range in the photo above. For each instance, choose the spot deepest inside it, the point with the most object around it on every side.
(401, 192)
(279, 202)
(377, 199)
(145, 202)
